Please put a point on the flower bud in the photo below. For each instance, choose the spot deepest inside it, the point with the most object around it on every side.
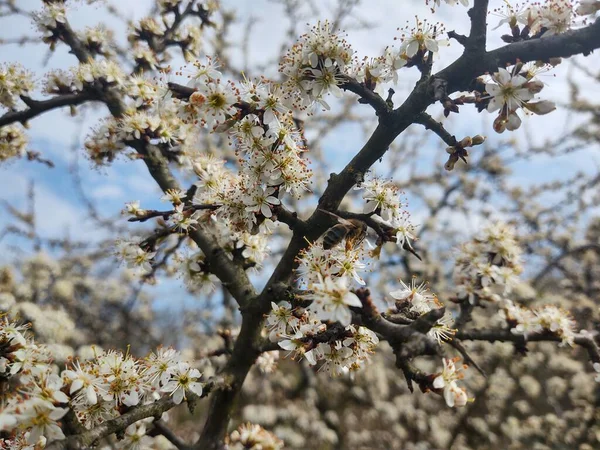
(466, 142)
(554, 61)
(451, 162)
(478, 140)
(518, 67)
(534, 86)
(513, 122)
(541, 108)
(499, 124)
(450, 150)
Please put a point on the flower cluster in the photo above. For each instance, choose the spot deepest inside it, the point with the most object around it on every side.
(318, 264)
(415, 300)
(488, 267)
(415, 42)
(195, 273)
(84, 76)
(104, 142)
(340, 349)
(383, 199)
(190, 38)
(331, 300)
(144, 57)
(253, 437)
(136, 438)
(13, 142)
(447, 380)
(96, 390)
(212, 103)
(135, 256)
(14, 82)
(375, 72)
(51, 15)
(509, 91)
(267, 361)
(147, 28)
(542, 19)
(524, 321)
(269, 145)
(424, 37)
(315, 65)
(151, 116)
(99, 40)
(555, 16)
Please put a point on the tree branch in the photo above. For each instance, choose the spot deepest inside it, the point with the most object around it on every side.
(478, 35)
(460, 74)
(437, 127)
(366, 95)
(460, 38)
(585, 339)
(232, 275)
(87, 439)
(151, 213)
(37, 107)
(161, 428)
(290, 218)
(395, 334)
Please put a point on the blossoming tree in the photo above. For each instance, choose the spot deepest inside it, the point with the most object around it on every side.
(231, 155)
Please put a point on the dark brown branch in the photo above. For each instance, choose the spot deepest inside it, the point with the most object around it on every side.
(36, 156)
(161, 428)
(437, 127)
(151, 213)
(460, 74)
(366, 95)
(463, 351)
(478, 35)
(412, 373)
(231, 274)
(69, 37)
(37, 107)
(585, 340)
(290, 218)
(395, 334)
(460, 38)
